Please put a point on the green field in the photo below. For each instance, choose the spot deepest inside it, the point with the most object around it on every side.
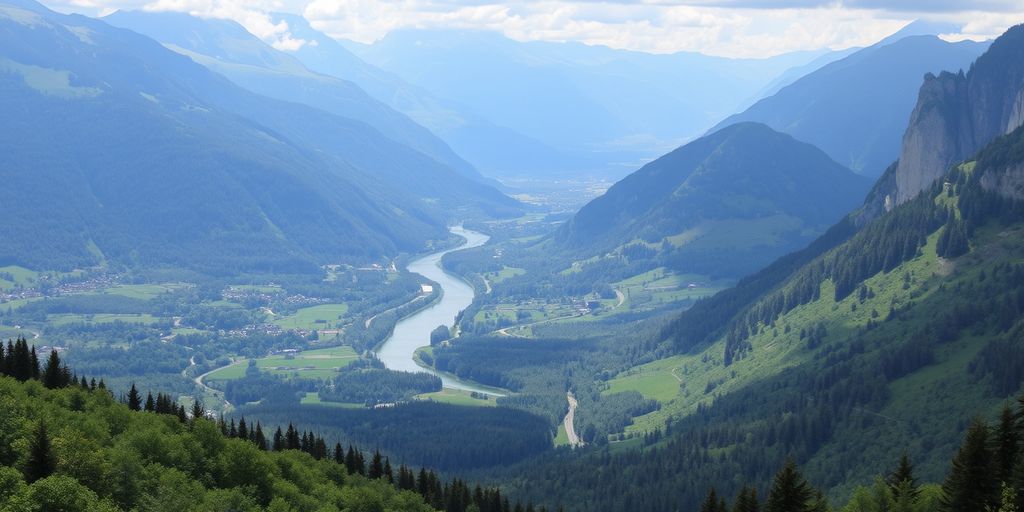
(21, 275)
(457, 397)
(101, 318)
(655, 381)
(325, 316)
(314, 399)
(505, 273)
(260, 288)
(144, 291)
(314, 364)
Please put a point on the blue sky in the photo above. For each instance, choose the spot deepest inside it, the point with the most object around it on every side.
(734, 28)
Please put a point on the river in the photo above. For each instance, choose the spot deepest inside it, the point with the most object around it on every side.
(413, 331)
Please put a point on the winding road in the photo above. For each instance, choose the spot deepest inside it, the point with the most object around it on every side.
(570, 428)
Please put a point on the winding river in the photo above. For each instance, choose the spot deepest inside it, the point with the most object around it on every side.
(413, 332)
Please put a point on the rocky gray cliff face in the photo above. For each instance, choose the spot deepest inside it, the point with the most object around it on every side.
(957, 114)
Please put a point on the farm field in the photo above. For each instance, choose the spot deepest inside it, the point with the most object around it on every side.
(324, 316)
(457, 397)
(321, 363)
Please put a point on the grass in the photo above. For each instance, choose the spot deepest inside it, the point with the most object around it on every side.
(562, 438)
(314, 364)
(101, 318)
(144, 291)
(314, 399)
(324, 316)
(456, 397)
(21, 276)
(504, 274)
(704, 375)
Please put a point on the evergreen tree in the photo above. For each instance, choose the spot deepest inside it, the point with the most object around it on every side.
(134, 401)
(1007, 445)
(54, 374)
(376, 466)
(278, 443)
(746, 500)
(259, 438)
(34, 363)
(904, 473)
(789, 492)
(712, 503)
(389, 475)
(41, 462)
(969, 485)
(150, 404)
(820, 503)
(198, 412)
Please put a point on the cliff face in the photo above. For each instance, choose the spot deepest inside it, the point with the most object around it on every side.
(957, 114)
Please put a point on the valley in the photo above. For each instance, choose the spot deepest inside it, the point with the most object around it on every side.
(620, 260)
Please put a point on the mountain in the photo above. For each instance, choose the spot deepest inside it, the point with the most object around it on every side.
(496, 150)
(608, 109)
(875, 340)
(957, 114)
(148, 158)
(855, 109)
(226, 47)
(724, 204)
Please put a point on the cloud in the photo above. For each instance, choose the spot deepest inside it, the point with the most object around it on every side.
(734, 28)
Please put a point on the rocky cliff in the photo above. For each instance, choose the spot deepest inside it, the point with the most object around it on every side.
(958, 113)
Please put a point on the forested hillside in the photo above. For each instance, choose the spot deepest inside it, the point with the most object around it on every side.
(68, 444)
(890, 341)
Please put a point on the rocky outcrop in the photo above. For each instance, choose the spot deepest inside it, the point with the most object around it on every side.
(1008, 183)
(958, 114)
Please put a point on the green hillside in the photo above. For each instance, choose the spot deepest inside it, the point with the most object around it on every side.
(724, 205)
(843, 356)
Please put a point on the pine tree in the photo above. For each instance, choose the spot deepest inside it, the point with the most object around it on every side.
(1007, 445)
(33, 363)
(904, 473)
(243, 429)
(376, 466)
(134, 401)
(278, 442)
(259, 438)
(712, 503)
(746, 500)
(40, 463)
(969, 485)
(53, 375)
(389, 475)
(150, 404)
(789, 492)
(198, 412)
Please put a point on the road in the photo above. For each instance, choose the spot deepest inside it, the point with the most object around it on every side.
(199, 382)
(570, 429)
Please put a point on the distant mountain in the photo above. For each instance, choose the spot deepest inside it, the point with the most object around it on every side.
(495, 150)
(141, 156)
(957, 114)
(227, 48)
(609, 109)
(724, 204)
(855, 109)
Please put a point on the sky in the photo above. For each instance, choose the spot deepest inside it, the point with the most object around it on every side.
(730, 28)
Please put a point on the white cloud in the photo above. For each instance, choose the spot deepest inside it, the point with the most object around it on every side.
(737, 28)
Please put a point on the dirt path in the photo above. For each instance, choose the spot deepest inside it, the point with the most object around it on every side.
(621, 297)
(570, 429)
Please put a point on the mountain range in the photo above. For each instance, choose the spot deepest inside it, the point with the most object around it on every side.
(855, 108)
(143, 156)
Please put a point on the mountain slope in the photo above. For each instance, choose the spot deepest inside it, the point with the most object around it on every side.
(150, 158)
(725, 203)
(227, 48)
(870, 344)
(855, 109)
(496, 150)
